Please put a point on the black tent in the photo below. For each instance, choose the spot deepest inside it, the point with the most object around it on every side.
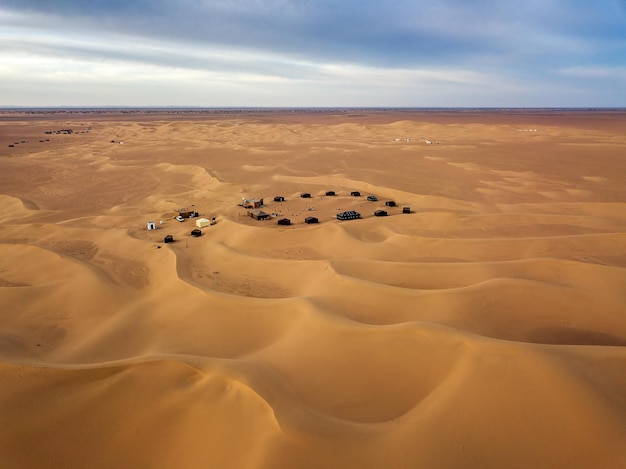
(349, 215)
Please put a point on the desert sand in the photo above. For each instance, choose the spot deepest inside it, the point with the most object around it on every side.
(486, 328)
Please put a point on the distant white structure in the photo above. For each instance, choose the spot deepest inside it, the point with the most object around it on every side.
(202, 222)
(151, 225)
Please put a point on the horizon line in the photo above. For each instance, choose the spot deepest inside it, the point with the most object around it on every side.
(306, 108)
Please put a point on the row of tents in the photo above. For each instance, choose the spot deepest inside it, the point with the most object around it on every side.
(347, 215)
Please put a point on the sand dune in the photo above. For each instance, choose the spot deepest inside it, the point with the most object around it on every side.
(483, 329)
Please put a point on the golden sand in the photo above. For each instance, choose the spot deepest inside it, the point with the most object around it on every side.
(487, 328)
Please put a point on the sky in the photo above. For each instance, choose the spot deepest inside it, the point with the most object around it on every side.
(313, 53)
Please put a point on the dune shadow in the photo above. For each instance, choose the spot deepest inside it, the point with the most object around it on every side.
(564, 335)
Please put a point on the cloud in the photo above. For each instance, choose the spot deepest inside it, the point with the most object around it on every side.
(449, 47)
(372, 32)
(611, 73)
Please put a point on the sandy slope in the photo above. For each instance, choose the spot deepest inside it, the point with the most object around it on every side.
(484, 329)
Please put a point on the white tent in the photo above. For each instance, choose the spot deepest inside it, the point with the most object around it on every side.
(151, 225)
(202, 222)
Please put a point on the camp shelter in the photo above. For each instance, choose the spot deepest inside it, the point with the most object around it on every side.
(406, 209)
(284, 221)
(151, 225)
(252, 203)
(196, 232)
(203, 222)
(279, 198)
(380, 213)
(186, 213)
(390, 203)
(305, 195)
(259, 214)
(310, 220)
(355, 194)
(349, 215)
(330, 193)
(168, 239)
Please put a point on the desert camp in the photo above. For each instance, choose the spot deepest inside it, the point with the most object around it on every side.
(479, 324)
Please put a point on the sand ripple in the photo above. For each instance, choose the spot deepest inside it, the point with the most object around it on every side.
(485, 328)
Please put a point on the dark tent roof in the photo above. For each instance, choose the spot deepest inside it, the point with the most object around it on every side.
(349, 215)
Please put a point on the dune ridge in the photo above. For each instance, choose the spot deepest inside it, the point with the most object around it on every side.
(483, 329)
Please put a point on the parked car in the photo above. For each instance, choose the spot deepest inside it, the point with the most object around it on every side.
(179, 218)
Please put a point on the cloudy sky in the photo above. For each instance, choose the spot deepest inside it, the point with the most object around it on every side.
(424, 53)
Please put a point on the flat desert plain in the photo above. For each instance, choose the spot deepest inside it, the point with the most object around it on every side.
(486, 328)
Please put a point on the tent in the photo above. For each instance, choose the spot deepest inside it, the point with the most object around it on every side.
(349, 215)
(203, 222)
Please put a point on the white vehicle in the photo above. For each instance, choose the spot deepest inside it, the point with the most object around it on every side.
(179, 218)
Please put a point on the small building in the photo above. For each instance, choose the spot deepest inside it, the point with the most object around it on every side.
(406, 209)
(330, 193)
(380, 213)
(252, 203)
(151, 225)
(279, 198)
(259, 214)
(372, 198)
(203, 222)
(186, 213)
(355, 194)
(390, 203)
(349, 215)
(168, 239)
(284, 221)
(305, 195)
(196, 232)
(311, 220)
